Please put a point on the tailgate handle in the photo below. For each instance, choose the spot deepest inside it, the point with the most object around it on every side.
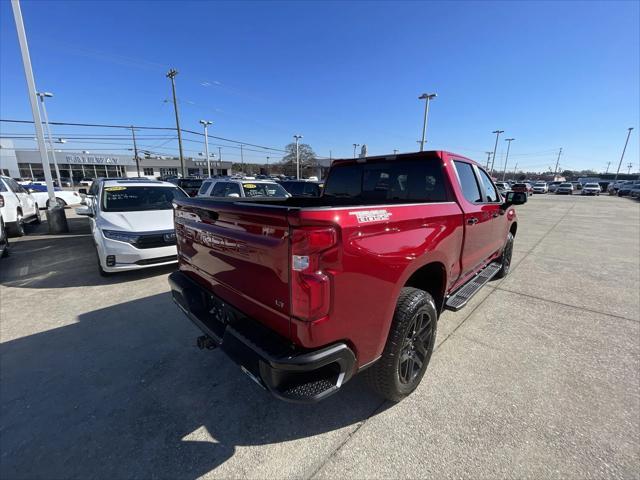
(207, 216)
(472, 221)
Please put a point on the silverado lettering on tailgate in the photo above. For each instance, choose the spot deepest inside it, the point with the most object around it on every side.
(366, 216)
(216, 242)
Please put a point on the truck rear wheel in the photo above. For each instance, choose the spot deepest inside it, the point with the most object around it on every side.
(409, 346)
(505, 259)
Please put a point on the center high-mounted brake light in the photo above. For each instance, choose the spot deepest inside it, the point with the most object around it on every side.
(1, 201)
(310, 287)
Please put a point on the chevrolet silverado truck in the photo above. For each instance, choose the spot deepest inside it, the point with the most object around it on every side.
(304, 293)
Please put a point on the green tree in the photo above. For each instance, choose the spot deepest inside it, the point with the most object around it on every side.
(308, 161)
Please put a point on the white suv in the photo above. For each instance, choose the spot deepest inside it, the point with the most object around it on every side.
(241, 188)
(17, 206)
(132, 223)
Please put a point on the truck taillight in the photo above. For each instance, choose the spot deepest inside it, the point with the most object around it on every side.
(1, 201)
(310, 287)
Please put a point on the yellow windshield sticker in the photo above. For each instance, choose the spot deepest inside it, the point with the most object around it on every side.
(249, 185)
(115, 189)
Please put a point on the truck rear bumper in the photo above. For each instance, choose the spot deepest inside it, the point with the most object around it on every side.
(290, 373)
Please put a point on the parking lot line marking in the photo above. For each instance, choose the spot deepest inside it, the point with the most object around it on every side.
(575, 307)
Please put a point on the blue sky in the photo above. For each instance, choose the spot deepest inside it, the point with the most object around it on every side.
(551, 74)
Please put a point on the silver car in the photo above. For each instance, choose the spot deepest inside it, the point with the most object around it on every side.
(591, 189)
(565, 189)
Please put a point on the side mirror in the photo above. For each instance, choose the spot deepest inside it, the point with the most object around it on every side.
(514, 198)
(233, 195)
(85, 211)
(82, 191)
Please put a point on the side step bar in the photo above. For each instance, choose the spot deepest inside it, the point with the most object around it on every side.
(462, 296)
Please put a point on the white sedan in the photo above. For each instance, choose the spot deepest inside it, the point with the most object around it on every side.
(63, 197)
(132, 223)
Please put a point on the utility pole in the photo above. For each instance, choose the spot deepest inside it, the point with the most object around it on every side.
(268, 165)
(172, 75)
(497, 132)
(488, 159)
(515, 169)
(42, 96)
(629, 166)
(205, 124)
(395, 151)
(427, 97)
(623, 150)
(607, 170)
(297, 137)
(555, 171)
(135, 150)
(355, 145)
(55, 214)
(219, 159)
(504, 173)
(242, 157)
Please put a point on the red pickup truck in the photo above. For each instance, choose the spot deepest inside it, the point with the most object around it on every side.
(303, 293)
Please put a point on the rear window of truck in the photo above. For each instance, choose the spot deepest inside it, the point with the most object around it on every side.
(396, 181)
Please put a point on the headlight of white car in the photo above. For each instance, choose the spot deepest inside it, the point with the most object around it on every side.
(131, 238)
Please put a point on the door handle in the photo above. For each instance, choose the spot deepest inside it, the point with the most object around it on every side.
(495, 214)
(472, 221)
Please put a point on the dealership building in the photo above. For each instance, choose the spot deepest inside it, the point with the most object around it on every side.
(26, 163)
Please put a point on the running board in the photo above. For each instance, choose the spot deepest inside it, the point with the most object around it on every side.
(462, 296)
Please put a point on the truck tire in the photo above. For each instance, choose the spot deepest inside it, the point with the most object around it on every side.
(505, 259)
(409, 346)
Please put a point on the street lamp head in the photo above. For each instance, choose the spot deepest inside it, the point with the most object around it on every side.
(44, 94)
(429, 96)
(297, 137)
(630, 128)
(172, 73)
(498, 131)
(61, 140)
(205, 123)
(509, 139)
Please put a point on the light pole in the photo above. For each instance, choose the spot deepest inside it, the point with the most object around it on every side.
(427, 97)
(268, 164)
(623, 150)
(56, 218)
(42, 96)
(555, 172)
(297, 137)
(395, 151)
(355, 145)
(135, 150)
(488, 159)
(171, 74)
(629, 166)
(205, 124)
(495, 147)
(242, 157)
(504, 174)
(607, 170)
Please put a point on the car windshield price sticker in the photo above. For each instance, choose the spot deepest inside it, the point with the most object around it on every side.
(115, 189)
(249, 185)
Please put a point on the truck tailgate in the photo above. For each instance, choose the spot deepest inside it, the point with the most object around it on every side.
(241, 252)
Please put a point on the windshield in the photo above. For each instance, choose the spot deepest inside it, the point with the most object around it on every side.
(592, 185)
(133, 199)
(264, 190)
(566, 185)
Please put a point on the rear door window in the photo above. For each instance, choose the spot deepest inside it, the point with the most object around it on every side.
(490, 191)
(468, 182)
(203, 189)
(218, 189)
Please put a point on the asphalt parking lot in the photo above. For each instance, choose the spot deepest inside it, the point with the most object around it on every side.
(539, 377)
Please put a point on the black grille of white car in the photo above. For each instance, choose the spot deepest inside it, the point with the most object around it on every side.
(155, 240)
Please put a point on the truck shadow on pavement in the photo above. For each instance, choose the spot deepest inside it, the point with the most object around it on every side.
(125, 393)
(42, 261)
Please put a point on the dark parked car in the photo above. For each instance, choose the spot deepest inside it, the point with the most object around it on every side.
(189, 185)
(523, 187)
(301, 188)
(625, 189)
